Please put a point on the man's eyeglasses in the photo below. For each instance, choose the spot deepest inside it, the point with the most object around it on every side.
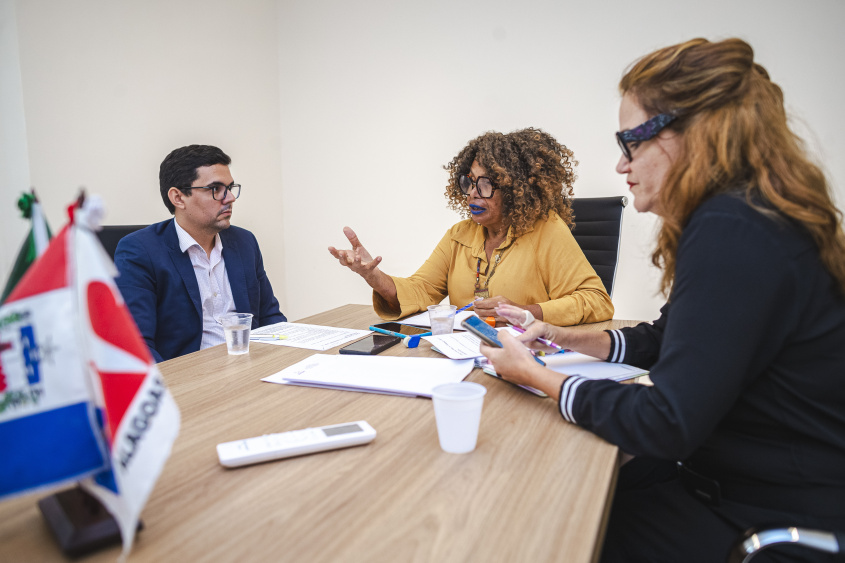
(218, 191)
(483, 185)
(642, 132)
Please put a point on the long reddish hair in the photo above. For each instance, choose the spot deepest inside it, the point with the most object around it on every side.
(734, 128)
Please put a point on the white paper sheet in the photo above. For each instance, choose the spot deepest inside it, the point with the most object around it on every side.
(573, 363)
(421, 319)
(311, 337)
(456, 346)
(413, 377)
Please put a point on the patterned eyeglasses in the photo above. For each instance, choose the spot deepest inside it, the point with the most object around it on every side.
(642, 132)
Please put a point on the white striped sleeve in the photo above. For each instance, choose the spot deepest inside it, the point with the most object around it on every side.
(567, 396)
(617, 346)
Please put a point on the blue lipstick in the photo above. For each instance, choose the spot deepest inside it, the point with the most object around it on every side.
(476, 209)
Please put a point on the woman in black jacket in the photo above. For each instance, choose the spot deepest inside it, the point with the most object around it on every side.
(748, 355)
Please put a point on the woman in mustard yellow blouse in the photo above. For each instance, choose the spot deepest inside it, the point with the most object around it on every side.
(516, 247)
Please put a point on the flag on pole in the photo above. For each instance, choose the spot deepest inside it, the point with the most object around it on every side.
(35, 243)
(80, 397)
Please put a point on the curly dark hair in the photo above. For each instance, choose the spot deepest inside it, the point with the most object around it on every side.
(179, 168)
(534, 172)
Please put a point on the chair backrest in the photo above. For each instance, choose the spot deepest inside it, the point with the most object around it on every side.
(111, 235)
(598, 226)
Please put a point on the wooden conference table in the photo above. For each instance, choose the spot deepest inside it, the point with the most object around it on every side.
(535, 488)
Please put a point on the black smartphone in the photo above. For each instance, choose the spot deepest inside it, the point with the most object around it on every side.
(402, 329)
(370, 345)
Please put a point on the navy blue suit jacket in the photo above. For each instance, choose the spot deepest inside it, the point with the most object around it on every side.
(160, 288)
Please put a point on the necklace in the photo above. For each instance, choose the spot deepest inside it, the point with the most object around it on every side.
(484, 292)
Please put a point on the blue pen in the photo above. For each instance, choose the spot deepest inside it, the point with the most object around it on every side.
(398, 334)
(468, 305)
(409, 340)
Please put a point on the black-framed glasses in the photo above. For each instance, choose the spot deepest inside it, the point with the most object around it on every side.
(483, 185)
(642, 132)
(218, 191)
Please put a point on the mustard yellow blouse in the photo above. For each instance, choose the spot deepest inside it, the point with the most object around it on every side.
(544, 266)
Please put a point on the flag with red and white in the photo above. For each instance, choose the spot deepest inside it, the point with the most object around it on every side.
(80, 396)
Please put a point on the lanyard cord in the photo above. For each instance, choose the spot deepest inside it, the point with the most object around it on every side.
(496, 260)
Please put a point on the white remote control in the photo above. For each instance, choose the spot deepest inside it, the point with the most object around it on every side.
(296, 442)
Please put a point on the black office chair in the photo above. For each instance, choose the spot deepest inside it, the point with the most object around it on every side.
(598, 226)
(110, 235)
(754, 541)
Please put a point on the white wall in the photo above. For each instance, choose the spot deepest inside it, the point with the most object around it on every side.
(110, 88)
(14, 160)
(377, 96)
(343, 113)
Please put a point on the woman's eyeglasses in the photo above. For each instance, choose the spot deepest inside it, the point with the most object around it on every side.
(483, 185)
(642, 132)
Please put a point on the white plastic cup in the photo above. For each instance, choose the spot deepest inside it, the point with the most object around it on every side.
(236, 327)
(457, 410)
(442, 318)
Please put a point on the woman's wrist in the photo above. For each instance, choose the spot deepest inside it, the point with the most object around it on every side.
(547, 381)
(536, 311)
(385, 287)
(591, 343)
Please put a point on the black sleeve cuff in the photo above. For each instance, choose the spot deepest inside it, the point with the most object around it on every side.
(617, 347)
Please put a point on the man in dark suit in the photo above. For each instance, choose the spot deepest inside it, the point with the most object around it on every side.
(178, 277)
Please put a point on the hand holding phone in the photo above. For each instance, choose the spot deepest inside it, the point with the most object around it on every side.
(487, 334)
(490, 336)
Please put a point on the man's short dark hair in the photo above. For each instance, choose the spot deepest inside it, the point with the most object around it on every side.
(179, 169)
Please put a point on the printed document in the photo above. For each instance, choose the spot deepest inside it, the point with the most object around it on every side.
(456, 346)
(312, 337)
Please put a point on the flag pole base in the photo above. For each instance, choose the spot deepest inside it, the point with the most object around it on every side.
(79, 522)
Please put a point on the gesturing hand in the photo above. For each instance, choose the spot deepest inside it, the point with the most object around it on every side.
(358, 259)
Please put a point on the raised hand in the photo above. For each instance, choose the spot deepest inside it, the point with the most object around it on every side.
(357, 259)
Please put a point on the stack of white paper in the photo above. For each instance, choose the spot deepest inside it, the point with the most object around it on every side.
(299, 335)
(412, 377)
(573, 363)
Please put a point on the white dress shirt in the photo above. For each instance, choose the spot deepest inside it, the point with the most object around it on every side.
(215, 291)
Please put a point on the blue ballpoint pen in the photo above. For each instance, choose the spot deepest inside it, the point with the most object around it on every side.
(398, 334)
(468, 305)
